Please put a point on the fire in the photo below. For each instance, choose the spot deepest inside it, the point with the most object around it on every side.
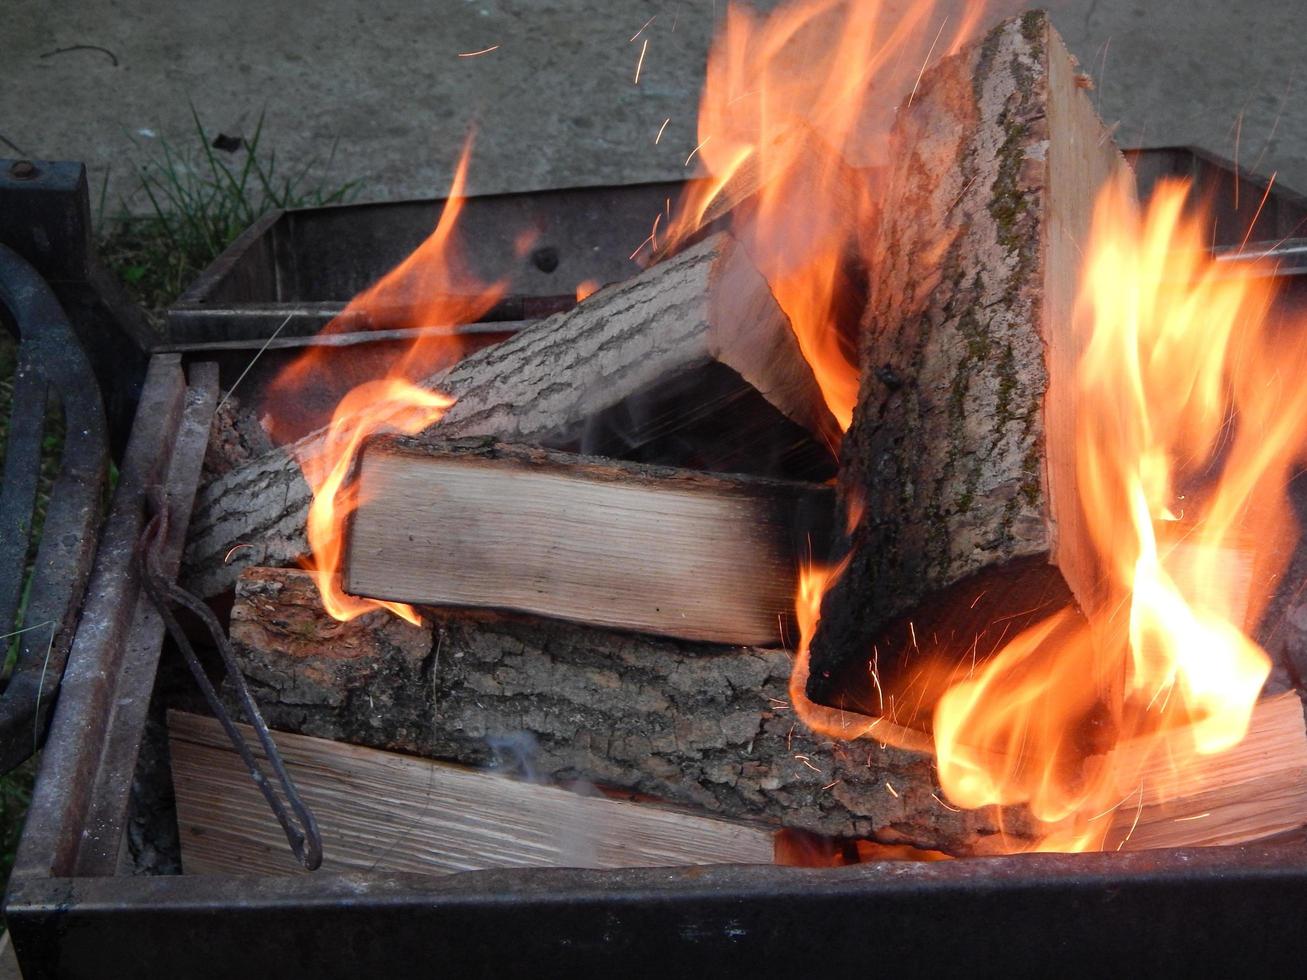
(429, 288)
(1191, 418)
(789, 102)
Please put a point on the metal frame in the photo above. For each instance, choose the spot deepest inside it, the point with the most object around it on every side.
(50, 362)
(1232, 910)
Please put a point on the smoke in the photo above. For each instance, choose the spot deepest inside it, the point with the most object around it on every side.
(578, 835)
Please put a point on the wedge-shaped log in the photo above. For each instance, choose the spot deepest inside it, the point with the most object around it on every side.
(381, 811)
(480, 524)
(690, 363)
(961, 449)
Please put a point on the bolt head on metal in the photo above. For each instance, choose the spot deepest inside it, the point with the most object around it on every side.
(23, 170)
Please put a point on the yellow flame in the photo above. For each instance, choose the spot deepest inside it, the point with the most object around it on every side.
(428, 288)
(1191, 412)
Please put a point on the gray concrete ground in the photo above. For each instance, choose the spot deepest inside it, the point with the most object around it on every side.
(555, 102)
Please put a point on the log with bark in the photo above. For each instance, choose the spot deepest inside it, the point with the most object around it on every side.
(698, 725)
(381, 811)
(474, 523)
(703, 726)
(960, 456)
(691, 363)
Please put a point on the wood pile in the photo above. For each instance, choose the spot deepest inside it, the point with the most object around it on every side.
(605, 534)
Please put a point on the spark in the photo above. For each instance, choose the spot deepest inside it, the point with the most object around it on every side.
(226, 559)
(1196, 816)
(658, 138)
(943, 804)
(1138, 810)
(257, 355)
(1274, 126)
(927, 61)
(1269, 184)
(978, 598)
(805, 760)
(696, 150)
(832, 784)
(892, 791)
(639, 248)
(474, 54)
(640, 64)
(641, 30)
(1238, 131)
(875, 677)
(654, 233)
(913, 630)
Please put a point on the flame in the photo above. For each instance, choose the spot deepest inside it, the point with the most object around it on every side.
(1191, 417)
(789, 100)
(429, 288)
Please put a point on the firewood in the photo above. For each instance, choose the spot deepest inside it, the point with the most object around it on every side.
(1256, 790)
(690, 363)
(698, 725)
(473, 523)
(961, 449)
(702, 726)
(382, 811)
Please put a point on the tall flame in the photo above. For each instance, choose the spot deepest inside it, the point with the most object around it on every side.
(429, 288)
(1191, 415)
(789, 102)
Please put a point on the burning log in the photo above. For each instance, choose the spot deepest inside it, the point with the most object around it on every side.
(609, 377)
(381, 811)
(702, 726)
(961, 451)
(706, 726)
(479, 524)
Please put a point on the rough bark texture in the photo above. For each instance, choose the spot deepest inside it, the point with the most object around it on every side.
(707, 309)
(997, 163)
(707, 726)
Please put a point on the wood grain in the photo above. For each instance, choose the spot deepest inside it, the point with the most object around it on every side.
(474, 523)
(382, 811)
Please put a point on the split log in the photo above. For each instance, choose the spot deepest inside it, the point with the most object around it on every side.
(691, 363)
(697, 725)
(382, 811)
(961, 449)
(473, 523)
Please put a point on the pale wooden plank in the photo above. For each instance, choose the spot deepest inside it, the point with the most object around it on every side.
(384, 811)
(657, 550)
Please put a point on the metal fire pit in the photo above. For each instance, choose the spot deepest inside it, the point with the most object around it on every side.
(75, 909)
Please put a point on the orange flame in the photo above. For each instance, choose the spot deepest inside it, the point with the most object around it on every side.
(1192, 415)
(429, 288)
(789, 100)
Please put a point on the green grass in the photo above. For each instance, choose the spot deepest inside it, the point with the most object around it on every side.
(200, 199)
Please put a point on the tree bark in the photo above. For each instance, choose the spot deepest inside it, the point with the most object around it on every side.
(691, 363)
(707, 726)
(960, 457)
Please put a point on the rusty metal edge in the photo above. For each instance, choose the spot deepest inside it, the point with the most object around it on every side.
(101, 838)
(61, 800)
